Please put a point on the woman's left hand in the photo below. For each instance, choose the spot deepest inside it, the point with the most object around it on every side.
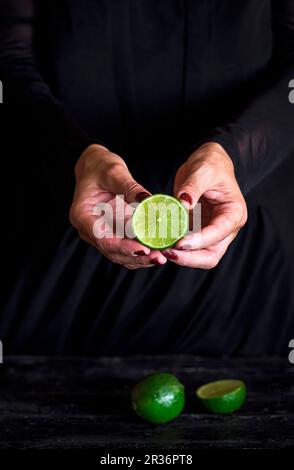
(208, 177)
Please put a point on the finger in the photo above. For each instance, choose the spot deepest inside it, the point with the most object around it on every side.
(107, 244)
(130, 262)
(85, 223)
(219, 229)
(126, 252)
(133, 267)
(127, 261)
(190, 187)
(206, 258)
(123, 246)
(120, 181)
(143, 262)
(155, 257)
(128, 247)
(202, 259)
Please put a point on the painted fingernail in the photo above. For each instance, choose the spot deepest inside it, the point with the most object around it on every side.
(155, 261)
(186, 198)
(141, 196)
(139, 253)
(170, 254)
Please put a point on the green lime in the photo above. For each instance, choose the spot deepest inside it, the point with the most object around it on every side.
(222, 396)
(160, 221)
(158, 398)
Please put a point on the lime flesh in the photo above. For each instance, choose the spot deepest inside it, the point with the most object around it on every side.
(158, 398)
(159, 221)
(222, 396)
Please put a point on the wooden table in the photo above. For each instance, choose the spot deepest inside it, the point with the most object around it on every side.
(53, 403)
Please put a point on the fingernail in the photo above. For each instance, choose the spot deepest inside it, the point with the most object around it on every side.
(186, 198)
(139, 253)
(170, 254)
(185, 247)
(155, 261)
(141, 196)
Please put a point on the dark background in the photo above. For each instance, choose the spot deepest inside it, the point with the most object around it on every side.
(37, 177)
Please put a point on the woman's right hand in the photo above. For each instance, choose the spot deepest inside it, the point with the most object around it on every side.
(100, 176)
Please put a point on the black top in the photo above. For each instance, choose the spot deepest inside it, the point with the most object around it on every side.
(134, 70)
(151, 79)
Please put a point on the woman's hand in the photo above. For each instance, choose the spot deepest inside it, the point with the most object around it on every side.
(100, 176)
(208, 177)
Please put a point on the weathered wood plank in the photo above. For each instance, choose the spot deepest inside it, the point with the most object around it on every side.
(85, 403)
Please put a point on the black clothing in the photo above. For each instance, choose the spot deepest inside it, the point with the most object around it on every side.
(151, 79)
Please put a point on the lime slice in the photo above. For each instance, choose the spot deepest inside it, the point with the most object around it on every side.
(160, 221)
(158, 398)
(222, 396)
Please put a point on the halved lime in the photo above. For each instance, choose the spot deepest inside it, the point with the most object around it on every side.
(159, 221)
(158, 398)
(222, 396)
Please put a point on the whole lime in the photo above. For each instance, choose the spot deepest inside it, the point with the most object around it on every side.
(158, 398)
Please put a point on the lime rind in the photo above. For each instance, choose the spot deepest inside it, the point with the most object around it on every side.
(139, 223)
(222, 396)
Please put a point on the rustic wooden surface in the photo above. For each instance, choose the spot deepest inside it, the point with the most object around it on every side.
(52, 403)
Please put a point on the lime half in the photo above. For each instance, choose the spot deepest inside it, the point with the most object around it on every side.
(158, 398)
(222, 396)
(160, 221)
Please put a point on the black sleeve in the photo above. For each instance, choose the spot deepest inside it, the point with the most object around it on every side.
(261, 136)
(24, 89)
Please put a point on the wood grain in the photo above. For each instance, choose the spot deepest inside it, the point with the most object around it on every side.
(54, 403)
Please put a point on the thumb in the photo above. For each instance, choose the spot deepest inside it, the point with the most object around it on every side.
(122, 182)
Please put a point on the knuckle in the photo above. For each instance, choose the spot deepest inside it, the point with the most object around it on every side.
(113, 168)
(219, 234)
(105, 248)
(205, 168)
(136, 263)
(114, 258)
(142, 263)
(208, 166)
(129, 186)
(245, 216)
(242, 214)
(105, 245)
(193, 186)
(77, 215)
